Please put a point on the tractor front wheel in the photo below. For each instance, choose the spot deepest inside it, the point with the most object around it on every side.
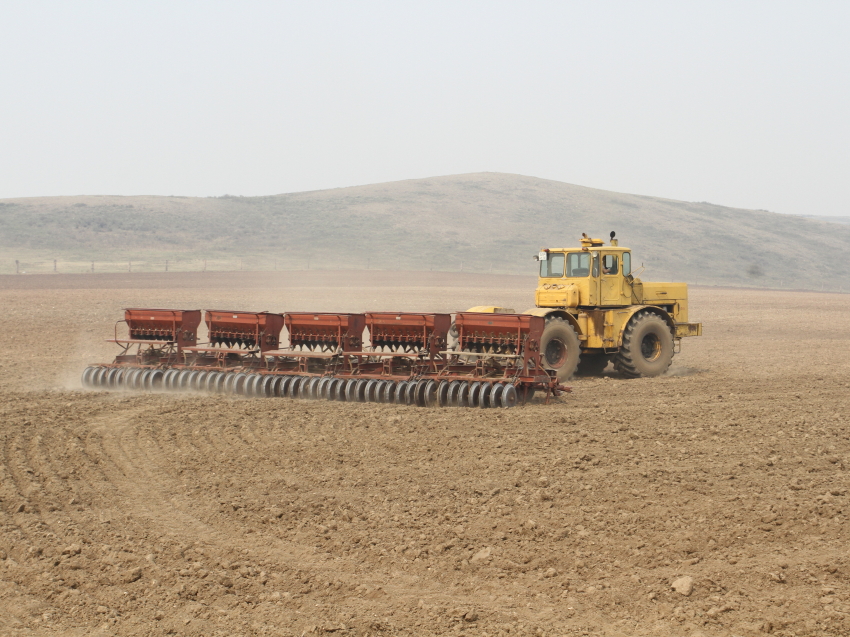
(559, 348)
(647, 348)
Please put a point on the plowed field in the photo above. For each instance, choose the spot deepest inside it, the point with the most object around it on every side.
(154, 514)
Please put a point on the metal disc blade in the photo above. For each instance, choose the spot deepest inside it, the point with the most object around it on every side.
(389, 392)
(484, 395)
(350, 391)
(371, 391)
(443, 393)
(155, 379)
(463, 395)
(496, 395)
(430, 393)
(509, 396)
(360, 388)
(419, 393)
(474, 391)
(410, 393)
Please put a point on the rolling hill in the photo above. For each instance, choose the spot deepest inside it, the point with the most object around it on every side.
(483, 222)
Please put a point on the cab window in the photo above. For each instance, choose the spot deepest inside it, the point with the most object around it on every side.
(553, 266)
(609, 264)
(627, 263)
(578, 264)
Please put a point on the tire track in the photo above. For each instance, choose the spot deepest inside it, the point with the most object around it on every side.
(57, 501)
(29, 503)
(136, 477)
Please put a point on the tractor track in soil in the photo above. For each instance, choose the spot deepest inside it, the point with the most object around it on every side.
(153, 514)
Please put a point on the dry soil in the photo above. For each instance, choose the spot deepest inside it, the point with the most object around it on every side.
(711, 501)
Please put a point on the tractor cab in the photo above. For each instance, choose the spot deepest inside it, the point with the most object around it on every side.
(591, 275)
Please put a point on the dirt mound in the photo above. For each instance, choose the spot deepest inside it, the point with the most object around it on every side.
(711, 502)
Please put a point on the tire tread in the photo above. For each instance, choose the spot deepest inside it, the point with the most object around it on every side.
(623, 361)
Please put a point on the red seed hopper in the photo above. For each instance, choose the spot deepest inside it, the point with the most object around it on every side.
(495, 362)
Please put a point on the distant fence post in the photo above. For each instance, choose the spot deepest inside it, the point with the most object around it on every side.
(92, 266)
(54, 265)
(17, 267)
(129, 266)
(166, 265)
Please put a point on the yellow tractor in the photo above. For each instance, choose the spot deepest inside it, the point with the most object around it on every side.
(597, 311)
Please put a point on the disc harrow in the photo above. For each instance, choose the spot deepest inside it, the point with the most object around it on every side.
(402, 361)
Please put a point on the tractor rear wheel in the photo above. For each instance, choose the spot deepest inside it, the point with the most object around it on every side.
(559, 348)
(647, 348)
(592, 364)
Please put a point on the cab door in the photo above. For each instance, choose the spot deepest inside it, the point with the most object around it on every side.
(611, 279)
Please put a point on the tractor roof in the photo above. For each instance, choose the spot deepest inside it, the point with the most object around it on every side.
(588, 248)
(589, 243)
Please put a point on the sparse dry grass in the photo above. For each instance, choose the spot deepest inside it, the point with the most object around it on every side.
(479, 222)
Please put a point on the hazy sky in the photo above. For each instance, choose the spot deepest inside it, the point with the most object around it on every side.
(738, 103)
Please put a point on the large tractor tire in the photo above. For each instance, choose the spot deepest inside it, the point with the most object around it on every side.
(560, 348)
(647, 348)
(592, 364)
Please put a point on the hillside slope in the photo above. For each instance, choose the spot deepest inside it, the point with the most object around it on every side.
(479, 222)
